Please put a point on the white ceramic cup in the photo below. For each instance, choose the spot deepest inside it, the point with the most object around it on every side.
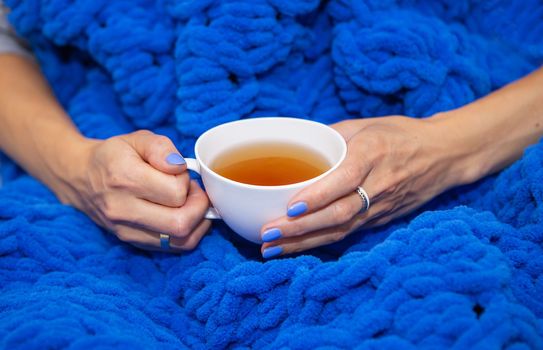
(246, 208)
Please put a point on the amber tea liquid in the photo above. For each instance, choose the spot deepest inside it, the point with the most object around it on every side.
(270, 164)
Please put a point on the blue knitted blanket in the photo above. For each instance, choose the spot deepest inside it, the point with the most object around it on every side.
(466, 271)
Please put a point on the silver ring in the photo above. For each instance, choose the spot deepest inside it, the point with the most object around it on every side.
(164, 241)
(365, 199)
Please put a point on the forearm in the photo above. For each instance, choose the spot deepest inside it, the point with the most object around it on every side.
(34, 129)
(493, 131)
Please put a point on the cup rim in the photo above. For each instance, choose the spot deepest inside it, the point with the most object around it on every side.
(278, 187)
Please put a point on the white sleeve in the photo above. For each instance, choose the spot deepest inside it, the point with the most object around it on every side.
(9, 42)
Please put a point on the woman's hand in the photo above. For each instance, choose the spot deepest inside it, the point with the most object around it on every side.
(400, 162)
(137, 186)
(125, 183)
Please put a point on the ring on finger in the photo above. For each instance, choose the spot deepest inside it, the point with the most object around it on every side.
(164, 241)
(365, 199)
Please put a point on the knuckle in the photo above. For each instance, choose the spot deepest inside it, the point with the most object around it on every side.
(321, 195)
(201, 200)
(384, 210)
(179, 192)
(115, 140)
(339, 236)
(132, 180)
(112, 211)
(403, 174)
(392, 207)
(142, 132)
(180, 226)
(178, 198)
(379, 139)
(115, 178)
(390, 186)
(293, 229)
(107, 209)
(123, 176)
(378, 155)
(342, 213)
(377, 147)
(190, 245)
(117, 182)
(159, 142)
(124, 236)
(351, 174)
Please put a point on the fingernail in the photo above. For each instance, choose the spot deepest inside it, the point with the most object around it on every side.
(175, 159)
(271, 252)
(271, 234)
(296, 209)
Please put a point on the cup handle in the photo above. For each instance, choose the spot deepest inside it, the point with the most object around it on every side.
(194, 165)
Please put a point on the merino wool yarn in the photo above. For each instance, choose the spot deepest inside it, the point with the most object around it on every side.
(464, 272)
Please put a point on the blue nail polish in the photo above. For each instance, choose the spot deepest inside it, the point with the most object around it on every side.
(296, 209)
(271, 252)
(175, 159)
(271, 234)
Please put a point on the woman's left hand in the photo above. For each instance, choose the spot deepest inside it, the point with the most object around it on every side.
(400, 162)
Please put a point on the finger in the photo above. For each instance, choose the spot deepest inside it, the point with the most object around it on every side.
(337, 213)
(177, 222)
(178, 244)
(143, 239)
(379, 221)
(149, 240)
(134, 176)
(312, 240)
(385, 218)
(337, 184)
(190, 242)
(155, 186)
(157, 150)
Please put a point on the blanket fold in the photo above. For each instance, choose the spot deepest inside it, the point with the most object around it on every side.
(465, 271)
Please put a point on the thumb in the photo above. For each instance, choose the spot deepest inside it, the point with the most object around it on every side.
(157, 150)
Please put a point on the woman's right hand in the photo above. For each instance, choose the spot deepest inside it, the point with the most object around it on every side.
(136, 186)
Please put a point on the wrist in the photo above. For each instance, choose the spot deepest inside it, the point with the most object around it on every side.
(462, 148)
(70, 167)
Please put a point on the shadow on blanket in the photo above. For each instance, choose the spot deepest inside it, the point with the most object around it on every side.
(464, 272)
